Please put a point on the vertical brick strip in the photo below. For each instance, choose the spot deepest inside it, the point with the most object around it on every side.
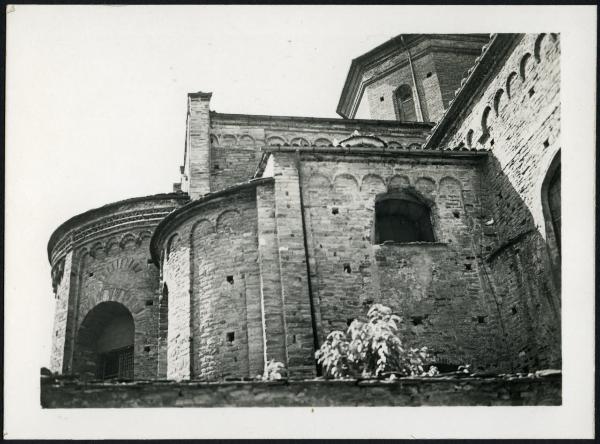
(197, 164)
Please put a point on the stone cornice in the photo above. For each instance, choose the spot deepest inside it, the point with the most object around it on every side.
(65, 230)
(286, 121)
(181, 213)
(346, 152)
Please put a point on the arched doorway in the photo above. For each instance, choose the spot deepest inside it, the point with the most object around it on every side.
(104, 343)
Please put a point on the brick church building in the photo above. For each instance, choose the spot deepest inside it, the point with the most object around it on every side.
(444, 206)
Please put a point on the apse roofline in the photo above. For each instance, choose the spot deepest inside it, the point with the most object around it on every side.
(88, 215)
(184, 211)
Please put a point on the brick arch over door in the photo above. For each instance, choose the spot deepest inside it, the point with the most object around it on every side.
(104, 343)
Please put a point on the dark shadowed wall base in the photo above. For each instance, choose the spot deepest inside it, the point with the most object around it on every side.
(441, 391)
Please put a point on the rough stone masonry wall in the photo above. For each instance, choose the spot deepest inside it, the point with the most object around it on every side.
(119, 271)
(447, 391)
(102, 255)
(211, 270)
(237, 140)
(438, 288)
(522, 103)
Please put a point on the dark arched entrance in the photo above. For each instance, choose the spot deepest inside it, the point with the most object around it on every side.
(104, 343)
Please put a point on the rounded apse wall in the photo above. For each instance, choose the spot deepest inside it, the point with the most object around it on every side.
(103, 256)
(211, 287)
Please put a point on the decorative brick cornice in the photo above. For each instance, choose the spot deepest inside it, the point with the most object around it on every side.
(200, 95)
(96, 222)
(180, 214)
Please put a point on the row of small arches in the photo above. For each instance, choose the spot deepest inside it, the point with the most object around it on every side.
(507, 88)
(120, 242)
(226, 222)
(373, 182)
(230, 140)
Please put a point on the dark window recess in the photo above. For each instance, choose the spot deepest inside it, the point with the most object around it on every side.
(401, 220)
(230, 336)
(513, 310)
(531, 92)
(149, 303)
(481, 319)
(116, 364)
(347, 268)
(335, 210)
(230, 279)
(468, 267)
(405, 104)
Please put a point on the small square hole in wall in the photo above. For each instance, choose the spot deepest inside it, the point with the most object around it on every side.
(381, 99)
(91, 273)
(468, 267)
(481, 319)
(230, 279)
(531, 92)
(513, 310)
(456, 214)
(230, 336)
(347, 268)
(335, 210)
(416, 320)
(146, 348)
(149, 303)
(546, 143)
(492, 142)
(429, 74)
(216, 166)
(294, 340)
(349, 321)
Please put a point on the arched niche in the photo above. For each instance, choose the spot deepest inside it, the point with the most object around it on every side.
(104, 345)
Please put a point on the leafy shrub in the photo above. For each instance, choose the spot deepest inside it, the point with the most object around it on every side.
(372, 349)
(274, 370)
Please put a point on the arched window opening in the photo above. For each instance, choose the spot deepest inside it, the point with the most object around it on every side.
(163, 331)
(104, 343)
(400, 217)
(405, 104)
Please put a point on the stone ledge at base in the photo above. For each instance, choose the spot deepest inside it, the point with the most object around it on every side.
(62, 392)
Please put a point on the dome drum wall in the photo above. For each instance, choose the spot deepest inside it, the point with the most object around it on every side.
(103, 255)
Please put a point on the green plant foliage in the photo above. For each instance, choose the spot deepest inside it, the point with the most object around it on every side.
(274, 370)
(372, 349)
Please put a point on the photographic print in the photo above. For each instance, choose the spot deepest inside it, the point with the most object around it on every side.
(276, 216)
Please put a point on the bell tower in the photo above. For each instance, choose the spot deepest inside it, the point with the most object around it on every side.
(410, 78)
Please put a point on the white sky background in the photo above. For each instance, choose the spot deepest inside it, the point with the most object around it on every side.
(96, 105)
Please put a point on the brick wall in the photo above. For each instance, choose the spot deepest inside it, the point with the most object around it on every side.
(438, 288)
(521, 99)
(103, 256)
(237, 141)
